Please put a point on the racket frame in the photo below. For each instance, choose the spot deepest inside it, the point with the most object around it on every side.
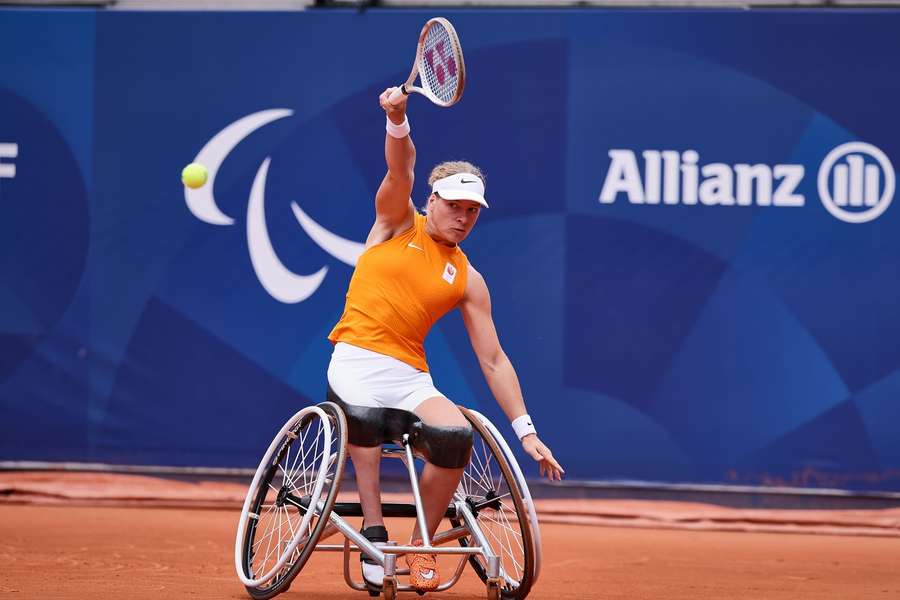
(408, 87)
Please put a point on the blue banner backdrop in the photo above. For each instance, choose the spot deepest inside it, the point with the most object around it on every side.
(691, 252)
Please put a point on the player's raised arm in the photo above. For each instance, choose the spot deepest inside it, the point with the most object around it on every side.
(393, 207)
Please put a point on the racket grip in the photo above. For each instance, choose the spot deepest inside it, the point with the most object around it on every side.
(397, 94)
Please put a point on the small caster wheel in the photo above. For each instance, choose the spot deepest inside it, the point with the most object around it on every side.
(390, 588)
(493, 590)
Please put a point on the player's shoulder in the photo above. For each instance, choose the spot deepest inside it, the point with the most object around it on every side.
(475, 283)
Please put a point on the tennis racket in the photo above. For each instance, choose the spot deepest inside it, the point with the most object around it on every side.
(439, 66)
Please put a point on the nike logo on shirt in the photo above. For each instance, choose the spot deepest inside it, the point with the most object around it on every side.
(411, 245)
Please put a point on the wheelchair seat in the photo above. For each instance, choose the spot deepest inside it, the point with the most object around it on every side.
(447, 447)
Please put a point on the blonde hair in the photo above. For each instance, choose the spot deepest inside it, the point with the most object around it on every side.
(452, 167)
(448, 168)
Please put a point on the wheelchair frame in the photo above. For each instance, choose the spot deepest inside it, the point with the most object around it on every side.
(463, 512)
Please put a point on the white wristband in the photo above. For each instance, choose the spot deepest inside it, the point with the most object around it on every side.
(522, 426)
(398, 131)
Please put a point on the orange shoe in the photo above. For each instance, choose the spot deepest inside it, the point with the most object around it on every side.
(423, 573)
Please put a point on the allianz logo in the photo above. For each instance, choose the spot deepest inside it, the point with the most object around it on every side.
(855, 181)
(8, 150)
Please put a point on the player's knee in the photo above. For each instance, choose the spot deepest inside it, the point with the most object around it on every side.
(447, 446)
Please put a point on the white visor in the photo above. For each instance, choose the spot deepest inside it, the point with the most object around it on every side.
(462, 186)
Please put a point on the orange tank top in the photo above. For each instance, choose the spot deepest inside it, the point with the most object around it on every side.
(399, 289)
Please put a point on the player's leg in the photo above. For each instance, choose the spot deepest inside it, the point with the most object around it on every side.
(352, 380)
(438, 483)
(367, 464)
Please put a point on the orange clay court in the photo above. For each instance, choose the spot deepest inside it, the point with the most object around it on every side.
(76, 536)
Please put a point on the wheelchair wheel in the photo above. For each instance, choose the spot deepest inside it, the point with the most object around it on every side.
(290, 499)
(494, 487)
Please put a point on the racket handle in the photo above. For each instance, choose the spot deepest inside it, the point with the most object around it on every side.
(397, 94)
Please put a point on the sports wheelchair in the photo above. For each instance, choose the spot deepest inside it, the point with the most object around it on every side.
(291, 505)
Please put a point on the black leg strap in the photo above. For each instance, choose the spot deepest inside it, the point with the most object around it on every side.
(374, 533)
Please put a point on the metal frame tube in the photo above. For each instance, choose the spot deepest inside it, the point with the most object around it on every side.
(357, 538)
(397, 550)
(414, 482)
(450, 535)
(390, 565)
(347, 577)
(387, 555)
(456, 575)
(463, 509)
(432, 550)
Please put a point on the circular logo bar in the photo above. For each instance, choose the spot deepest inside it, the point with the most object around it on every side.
(853, 190)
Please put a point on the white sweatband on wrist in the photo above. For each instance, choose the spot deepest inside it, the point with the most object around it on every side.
(398, 131)
(522, 426)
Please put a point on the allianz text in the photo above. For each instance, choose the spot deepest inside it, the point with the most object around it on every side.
(672, 177)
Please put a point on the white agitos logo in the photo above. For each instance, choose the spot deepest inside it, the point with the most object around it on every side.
(281, 283)
(852, 188)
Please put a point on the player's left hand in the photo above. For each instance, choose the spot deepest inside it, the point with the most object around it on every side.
(541, 453)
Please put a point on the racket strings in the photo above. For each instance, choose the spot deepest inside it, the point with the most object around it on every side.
(440, 64)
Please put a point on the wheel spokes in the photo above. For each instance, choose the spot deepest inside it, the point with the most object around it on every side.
(292, 480)
(485, 484)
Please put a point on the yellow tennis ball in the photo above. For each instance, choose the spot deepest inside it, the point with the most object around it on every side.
(194, 175)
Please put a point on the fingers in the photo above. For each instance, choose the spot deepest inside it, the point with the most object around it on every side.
(550, 470)
(549, 465)
(385, 101)
(543, 466)
(554, 472)
(553, 463)
(384, 97)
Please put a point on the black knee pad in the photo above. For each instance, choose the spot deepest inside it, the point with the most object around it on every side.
(447, 447)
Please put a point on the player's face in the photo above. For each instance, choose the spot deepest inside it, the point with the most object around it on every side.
(452, 220)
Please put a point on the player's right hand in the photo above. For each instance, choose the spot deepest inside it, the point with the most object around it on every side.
(395, 111)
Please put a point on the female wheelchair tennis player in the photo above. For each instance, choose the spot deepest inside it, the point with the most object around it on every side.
(411, 273)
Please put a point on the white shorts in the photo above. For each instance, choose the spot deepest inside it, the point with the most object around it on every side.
(365, 378)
